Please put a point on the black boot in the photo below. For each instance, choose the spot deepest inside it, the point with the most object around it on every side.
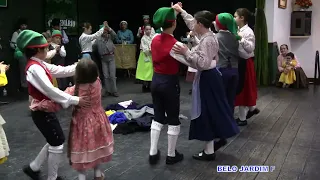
(29, 172)
(202, 156)
(241, 123)
(219, 144)
(252, 113)
(174, 160)
(154, 159)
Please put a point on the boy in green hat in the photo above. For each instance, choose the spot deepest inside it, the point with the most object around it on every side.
(39, 76)
(59, 57)
(165, 88)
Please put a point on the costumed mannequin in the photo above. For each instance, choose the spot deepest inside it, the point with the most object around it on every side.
(146, 21)
(165, 88)
(228, 59)
(39, 77)
(248, 92)
(145, 68)
(124, 35)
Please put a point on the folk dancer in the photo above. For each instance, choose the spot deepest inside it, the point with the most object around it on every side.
(228, 59)
(39, 77)
(59, 57)
(211, 116)
(106, 50)
(145, 67)
(248, 92)
(86, 39)
(4, 147)
(141, 30)
(165, 88)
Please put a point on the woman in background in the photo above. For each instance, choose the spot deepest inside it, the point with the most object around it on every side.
(301, 78)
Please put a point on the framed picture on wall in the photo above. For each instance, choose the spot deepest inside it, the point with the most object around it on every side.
(282, 4)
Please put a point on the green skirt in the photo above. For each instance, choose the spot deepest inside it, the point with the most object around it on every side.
(144, 68)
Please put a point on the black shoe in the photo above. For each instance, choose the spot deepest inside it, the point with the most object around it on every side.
(241, 123)
(202, 156)
(154, 159)
(29, 172)
(219, 144)
(252, 113)
(174, 160)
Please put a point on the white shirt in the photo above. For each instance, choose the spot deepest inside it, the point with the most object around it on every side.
(86, 40)
(62, 51)
(37, 76)
(247, 42)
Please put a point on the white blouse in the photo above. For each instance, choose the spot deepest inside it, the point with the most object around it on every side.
(247, 42)
(86, 40)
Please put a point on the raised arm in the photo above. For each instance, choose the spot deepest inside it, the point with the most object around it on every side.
(36, 76)
(61, 71)
(65, 38)
(94, 36)
(113, 34)
(188, 19)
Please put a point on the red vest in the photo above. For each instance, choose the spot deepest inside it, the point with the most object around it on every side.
(163, 63)
(142, 31)
(34, 92)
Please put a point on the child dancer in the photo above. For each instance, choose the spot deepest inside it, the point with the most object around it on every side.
(59, 57)
(288, 75)
(90, 138)
(247, 98)
(86, 39)
(145, 68)
(4, 147)
(39, 77)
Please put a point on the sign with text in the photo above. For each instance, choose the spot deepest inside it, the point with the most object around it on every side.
(66, 11)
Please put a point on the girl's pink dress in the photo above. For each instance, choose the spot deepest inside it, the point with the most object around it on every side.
(90, 138)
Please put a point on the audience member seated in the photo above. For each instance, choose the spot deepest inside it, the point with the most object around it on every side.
(301, 78)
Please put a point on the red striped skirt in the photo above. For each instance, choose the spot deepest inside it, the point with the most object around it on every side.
(249, 93)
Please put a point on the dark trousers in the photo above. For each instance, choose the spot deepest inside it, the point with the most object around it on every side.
(230, 77)
(49, 126)
(165, 91)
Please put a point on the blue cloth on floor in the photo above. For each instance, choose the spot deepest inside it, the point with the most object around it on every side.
(117, 118)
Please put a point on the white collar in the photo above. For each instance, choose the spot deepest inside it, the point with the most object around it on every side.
(244, 27)
(37, 59)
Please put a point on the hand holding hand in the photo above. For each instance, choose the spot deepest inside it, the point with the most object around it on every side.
(177, 7)
(58, 48)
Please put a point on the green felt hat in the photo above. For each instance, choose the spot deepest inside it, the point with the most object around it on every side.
(162, 15)
(17, 53)
(145, 17)
(56, 33)
(31, 39)
(226, 21)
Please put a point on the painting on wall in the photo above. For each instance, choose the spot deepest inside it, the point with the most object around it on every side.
(282, 4)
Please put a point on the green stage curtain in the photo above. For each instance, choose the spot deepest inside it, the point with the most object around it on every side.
(261, 50)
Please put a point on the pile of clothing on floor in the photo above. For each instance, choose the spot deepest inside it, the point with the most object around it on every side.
(131, 117)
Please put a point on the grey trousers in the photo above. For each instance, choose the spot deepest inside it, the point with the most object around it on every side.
(109, 73)
(22, 66)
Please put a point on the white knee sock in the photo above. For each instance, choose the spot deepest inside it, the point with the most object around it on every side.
(97, 172)
(82, 176)
(36, 164)
(54, 159)
(251, 108)
(209, 149)
(154, 137)
(242, 113)
(173, 134)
